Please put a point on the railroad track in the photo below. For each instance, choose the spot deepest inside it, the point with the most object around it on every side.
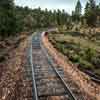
(47, 80)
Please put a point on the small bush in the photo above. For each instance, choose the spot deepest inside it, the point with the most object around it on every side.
(96, 61)
(85, 65)
(74, 58)
(90, 53)
(81, 53)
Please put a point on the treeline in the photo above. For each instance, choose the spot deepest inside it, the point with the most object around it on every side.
(91, 14)
(15, 19)
(37, 18)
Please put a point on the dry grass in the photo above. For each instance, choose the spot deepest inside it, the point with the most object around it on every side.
(85, 43)
(79, 49)
(12, 79)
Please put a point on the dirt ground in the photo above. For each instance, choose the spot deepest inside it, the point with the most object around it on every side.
(13, 85)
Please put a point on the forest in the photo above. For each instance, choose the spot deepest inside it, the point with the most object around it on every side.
(15, 19)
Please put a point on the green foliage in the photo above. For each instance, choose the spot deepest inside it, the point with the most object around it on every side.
(78, 9)
(90, 13)
(83, 64)
(96, 61)
(90, 53)
(76, 15)
(37, 18)
(74, 58)
(17, 19)
(86, 57)
(7, 18)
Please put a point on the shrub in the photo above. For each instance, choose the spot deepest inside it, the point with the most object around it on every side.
(90, 53)
(85, 65)
(96, 61)
(74, 58)
(81, 53)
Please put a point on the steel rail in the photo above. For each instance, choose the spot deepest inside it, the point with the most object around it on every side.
(60, 77)
(51, 62)
(35, 96)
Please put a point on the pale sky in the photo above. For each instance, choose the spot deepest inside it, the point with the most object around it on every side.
(68, 5)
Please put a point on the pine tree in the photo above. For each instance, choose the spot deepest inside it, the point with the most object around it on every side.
(99, 5)
(90, 13)
(59, 17)
(77, 14)
(78, 8)
(7, 18)
(55, 17)
(92, 4)
(64, 17)
(87, 8)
